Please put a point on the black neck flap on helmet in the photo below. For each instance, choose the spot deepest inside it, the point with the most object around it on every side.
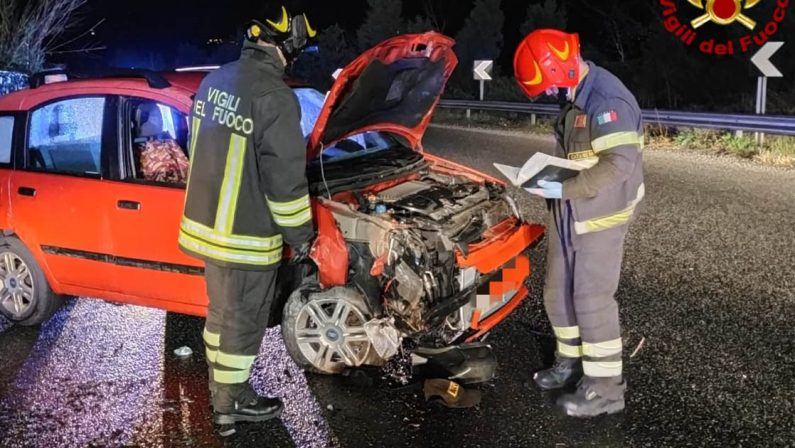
(290, 33)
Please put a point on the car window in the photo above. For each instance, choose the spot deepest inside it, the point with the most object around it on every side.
(6, 136)
(311, 102)
(159, 135)
(66, 136)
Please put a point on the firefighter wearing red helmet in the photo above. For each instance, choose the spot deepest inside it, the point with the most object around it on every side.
(600, 124)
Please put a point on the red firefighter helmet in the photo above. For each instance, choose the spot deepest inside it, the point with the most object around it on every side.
(547, 58)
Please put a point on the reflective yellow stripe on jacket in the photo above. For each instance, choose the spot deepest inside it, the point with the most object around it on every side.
(615, 139)
(292, 213)
(194, 134)
(612, 220)
(220, 243)
(229, 255)
(232, 248)
(213, 236)
(230, 188)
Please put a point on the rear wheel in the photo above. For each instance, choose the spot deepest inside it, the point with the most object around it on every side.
(324, 331)
(25, 296)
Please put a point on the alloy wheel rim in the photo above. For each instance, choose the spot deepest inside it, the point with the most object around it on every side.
(331, 335)
(18, 290)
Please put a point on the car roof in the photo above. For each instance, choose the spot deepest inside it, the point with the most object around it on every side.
(191, 79)
(178, 86)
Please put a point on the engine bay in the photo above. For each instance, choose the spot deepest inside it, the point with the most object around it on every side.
(403, 241)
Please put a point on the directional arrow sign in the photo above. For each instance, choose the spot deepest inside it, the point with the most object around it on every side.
(762, 60)
(483, 70)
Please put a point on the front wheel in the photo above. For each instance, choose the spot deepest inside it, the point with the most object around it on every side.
(25, 296)
(324, 331)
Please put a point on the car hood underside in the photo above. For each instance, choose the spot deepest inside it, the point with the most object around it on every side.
(393, 87)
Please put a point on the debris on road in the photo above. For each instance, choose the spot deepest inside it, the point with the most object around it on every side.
(384, 336)
(637, 349)
(183, 352)
(450, 394)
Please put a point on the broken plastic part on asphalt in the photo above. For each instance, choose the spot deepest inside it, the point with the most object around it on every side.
(183, 352)
(384, 336)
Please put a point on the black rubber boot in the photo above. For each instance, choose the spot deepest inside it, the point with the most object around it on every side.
(594, 396)
(257, 409)
(565, 372)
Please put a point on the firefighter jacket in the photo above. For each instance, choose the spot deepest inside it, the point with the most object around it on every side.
(247, 189)
(603, 128)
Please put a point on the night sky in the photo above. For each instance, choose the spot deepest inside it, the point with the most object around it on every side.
(148, 32)
(654, 63)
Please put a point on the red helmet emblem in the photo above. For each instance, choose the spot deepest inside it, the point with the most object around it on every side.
(724, 12)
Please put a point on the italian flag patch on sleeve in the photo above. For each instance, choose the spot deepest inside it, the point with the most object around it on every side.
(607, 117)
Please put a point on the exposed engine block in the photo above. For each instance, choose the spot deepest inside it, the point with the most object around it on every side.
(415, 227)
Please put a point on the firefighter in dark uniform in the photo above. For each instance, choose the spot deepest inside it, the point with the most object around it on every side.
(600, 125)
(246, 196)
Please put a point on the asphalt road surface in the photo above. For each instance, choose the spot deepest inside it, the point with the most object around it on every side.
(708, 286)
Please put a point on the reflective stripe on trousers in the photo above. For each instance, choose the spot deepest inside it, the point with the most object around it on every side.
(589, 275)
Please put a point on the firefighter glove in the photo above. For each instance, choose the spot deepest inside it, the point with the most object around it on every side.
(548, 190)
(301, 253)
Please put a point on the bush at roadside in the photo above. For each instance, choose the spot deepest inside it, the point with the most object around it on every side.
(775, 150)
(12, 81)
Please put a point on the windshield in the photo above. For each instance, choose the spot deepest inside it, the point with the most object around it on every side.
(367, 143)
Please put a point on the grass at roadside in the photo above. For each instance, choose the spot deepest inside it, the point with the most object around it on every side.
(775, 151)
(496, 120)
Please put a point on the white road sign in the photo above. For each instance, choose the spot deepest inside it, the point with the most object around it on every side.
(762, 60)
(482, 70)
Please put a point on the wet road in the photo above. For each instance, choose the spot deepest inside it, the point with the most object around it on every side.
(708, 285)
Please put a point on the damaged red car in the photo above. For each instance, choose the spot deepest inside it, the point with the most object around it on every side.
(410, 246)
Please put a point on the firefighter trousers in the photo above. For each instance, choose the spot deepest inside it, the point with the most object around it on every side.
(240, 303)
(579, 292)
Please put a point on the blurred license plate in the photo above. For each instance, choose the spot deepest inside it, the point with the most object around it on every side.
(502, 287)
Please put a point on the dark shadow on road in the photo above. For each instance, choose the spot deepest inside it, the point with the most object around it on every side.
(18, 342)
(15, 345)
(184, 411)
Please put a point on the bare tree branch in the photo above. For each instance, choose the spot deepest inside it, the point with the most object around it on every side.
(75, 39)
(82, 50)
(29, 29)
(437, 20)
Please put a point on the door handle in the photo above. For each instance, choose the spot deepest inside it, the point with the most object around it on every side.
(129, 205)
(27, 191)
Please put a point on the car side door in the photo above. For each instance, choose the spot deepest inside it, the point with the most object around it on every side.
(150, 182)
(59, 208)
(11, 129)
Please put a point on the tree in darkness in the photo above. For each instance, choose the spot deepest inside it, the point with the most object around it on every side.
(419, 24)
(383, 21)
(547, 14)
(335, 50)
(480, 38)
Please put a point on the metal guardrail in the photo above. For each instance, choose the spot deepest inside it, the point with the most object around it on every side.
(770, 124)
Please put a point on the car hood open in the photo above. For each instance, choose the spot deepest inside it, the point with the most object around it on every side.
(393, 87)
